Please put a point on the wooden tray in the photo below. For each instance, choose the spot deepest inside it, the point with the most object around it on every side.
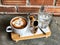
(16, 37)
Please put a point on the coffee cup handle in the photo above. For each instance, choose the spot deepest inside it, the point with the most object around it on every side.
(9, 29)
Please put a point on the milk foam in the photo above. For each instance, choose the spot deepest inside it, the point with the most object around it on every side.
(18, 22)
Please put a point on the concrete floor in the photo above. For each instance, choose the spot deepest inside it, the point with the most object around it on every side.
(54, 39)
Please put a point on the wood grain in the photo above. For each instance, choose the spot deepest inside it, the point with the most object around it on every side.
(16, 37)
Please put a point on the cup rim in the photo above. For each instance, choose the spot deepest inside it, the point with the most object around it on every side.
(18, 17)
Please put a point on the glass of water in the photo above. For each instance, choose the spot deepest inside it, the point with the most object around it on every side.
(44, 19)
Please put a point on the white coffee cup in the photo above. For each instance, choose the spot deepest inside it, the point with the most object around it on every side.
(15, 25)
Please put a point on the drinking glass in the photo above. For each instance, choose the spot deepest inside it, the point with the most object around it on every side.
(44, 19)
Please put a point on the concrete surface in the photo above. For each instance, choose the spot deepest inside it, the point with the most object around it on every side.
(53, 40)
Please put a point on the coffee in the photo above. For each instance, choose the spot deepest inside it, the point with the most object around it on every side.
(35, 23)
(19, 22)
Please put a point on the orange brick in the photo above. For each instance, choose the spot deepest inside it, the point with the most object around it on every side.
(14, 2)
(58, 3)
(41, 2)
(28, 9)
(7, 9)
(52, 10)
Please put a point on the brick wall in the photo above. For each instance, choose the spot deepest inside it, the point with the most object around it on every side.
(32, 6)
(41, 2)
(58, 3)
(14, 2)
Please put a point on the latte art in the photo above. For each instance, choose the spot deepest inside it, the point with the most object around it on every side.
(18, 22)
